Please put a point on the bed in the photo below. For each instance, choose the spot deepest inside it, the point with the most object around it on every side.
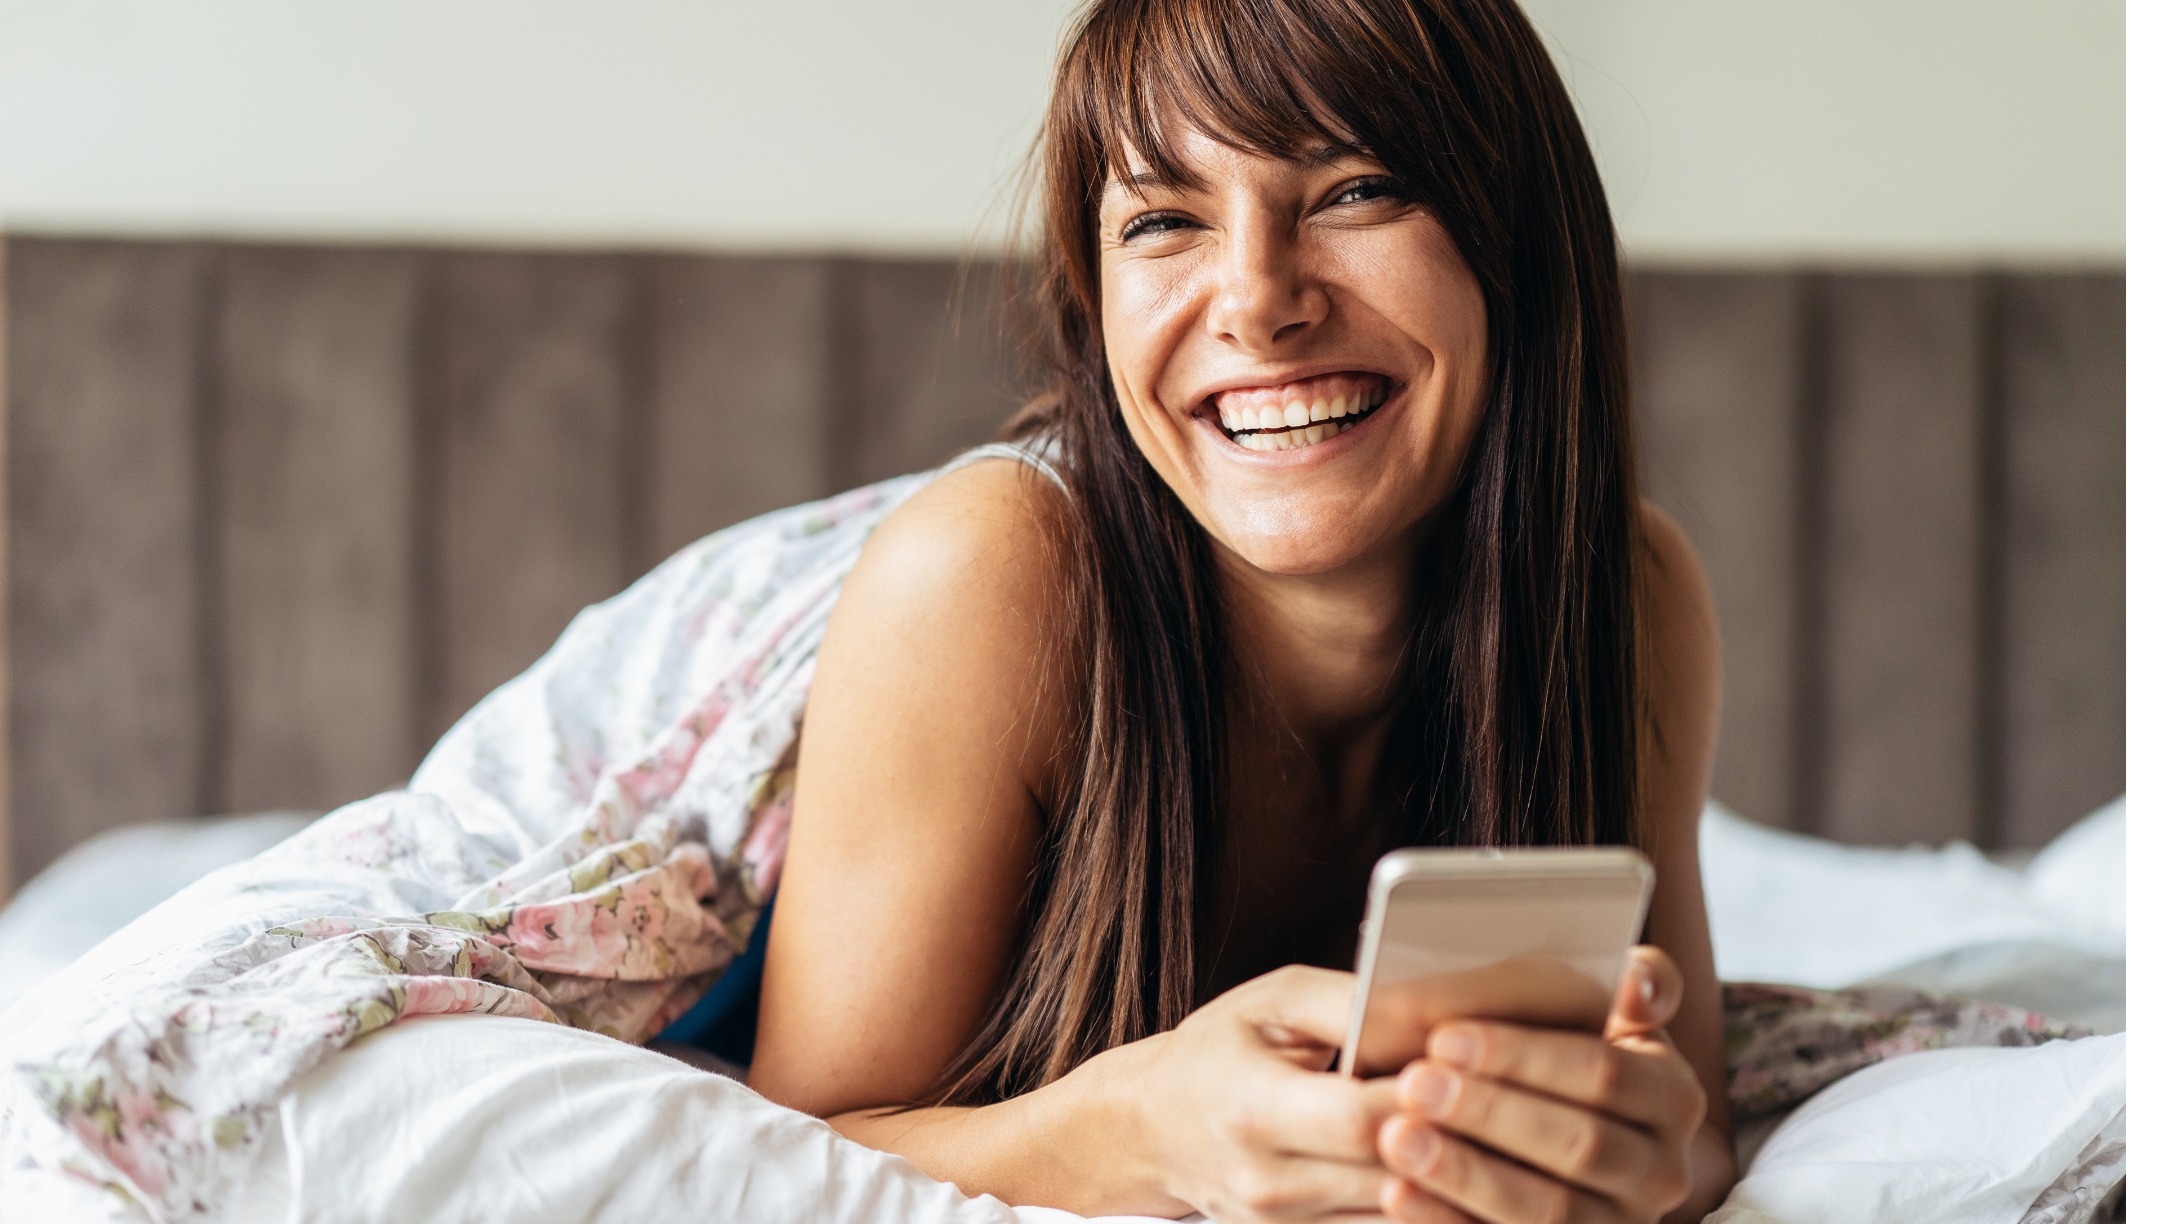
(469, 1117)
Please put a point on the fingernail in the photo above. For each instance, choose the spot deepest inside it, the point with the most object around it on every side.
(1414, 1146)
(1454, 1046)
(1647, 984)
(1426, 1089)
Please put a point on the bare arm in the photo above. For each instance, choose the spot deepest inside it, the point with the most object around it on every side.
(1683, 658)
(914, 822)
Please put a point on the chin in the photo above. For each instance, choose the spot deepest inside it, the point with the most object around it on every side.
(1310, 546)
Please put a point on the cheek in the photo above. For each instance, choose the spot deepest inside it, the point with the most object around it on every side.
(1420, 289)
(1144, 319)
(1415, 280)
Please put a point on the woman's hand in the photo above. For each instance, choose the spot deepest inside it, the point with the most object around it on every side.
(1237, 1114)
(1509, 1124)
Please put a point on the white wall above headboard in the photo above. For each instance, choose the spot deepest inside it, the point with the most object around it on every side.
(1886, 130)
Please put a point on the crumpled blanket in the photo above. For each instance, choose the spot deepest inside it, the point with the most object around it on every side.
(589, 846)
(1785, 1043)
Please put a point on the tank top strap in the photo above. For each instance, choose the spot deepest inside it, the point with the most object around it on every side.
(1035, 453)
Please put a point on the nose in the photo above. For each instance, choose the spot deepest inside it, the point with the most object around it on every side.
(1264, 296)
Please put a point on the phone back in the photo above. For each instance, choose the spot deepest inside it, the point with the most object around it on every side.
(1436, 914)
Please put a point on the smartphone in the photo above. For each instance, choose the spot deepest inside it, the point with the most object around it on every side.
(1442, 924)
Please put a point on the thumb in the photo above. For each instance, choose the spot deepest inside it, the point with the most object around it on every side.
(1648, 993)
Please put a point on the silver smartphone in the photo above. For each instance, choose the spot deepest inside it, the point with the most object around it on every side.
(1441, 922)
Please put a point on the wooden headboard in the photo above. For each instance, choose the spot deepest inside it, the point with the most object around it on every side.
(277, 515)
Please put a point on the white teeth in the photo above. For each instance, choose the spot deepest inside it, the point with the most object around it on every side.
(1297, 425)
(1292, 439)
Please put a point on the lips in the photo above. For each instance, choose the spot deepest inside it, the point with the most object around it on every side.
(1299, 413)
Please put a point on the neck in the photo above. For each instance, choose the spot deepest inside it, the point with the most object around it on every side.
(1324, 651)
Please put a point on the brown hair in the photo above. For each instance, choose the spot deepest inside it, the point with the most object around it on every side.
(1518, 720)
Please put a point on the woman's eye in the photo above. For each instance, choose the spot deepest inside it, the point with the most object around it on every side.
(1368, 189)
(1151, 223)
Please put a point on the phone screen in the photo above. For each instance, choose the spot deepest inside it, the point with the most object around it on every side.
(1437, 938)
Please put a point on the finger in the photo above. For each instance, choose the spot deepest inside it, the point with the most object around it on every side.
(1480, 1183)
(1572, 1142)
(1648, 993)
(1312, 1188)
(1409, 1204)
(1638, 1081)
(1327, 1117)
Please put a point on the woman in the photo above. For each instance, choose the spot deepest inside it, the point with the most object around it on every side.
(1342, 553)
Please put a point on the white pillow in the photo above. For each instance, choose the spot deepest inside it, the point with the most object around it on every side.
(458, 1118)
(1966, 1136)
(1789, 908)
(2079, 879)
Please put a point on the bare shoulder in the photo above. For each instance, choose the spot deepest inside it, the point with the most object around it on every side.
(985, 529)
(1681, 648)
(1676, 609)
(952, 614)
(965, 567)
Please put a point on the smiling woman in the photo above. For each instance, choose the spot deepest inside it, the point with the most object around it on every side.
(1343, 553)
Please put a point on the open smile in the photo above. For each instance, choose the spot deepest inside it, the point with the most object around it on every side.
(1300, 413)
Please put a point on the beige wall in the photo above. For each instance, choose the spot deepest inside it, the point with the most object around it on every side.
(1862, 129)
(1728, 129)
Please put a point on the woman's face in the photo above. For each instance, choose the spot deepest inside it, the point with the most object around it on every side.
(1298, 350)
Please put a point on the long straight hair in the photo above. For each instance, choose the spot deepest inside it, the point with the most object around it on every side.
(1518, 722)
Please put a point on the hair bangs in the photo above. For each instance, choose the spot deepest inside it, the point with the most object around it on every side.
(1276, 81)
(1191, 70)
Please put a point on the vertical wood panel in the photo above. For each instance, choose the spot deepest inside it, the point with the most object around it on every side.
(744, 383)
(315, 458)
(102, 521)
(529, 435)
(2061, 362)
(1898, 695)
(1716, 367)
(929, 372)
